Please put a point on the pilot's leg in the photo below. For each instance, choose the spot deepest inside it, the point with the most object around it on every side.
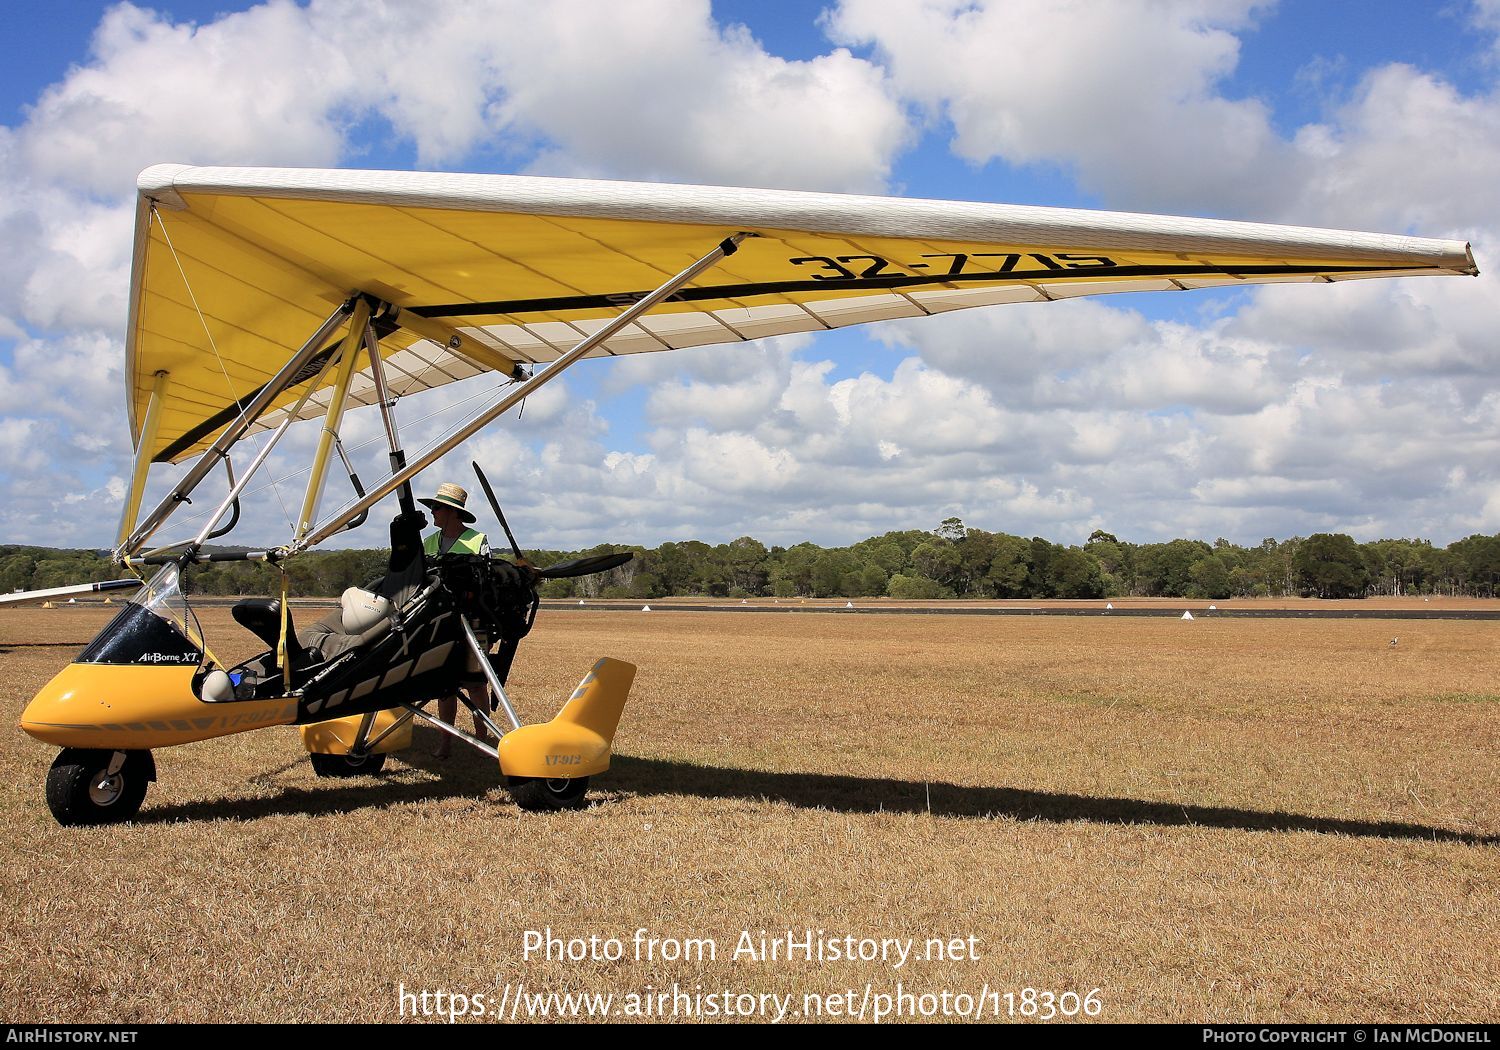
(478, 688)
(479, 696)
(448, 711)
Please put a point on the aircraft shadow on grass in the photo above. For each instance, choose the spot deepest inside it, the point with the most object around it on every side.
(855, 794)
(470, 774)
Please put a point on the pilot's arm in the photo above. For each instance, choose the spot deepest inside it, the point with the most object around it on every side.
(406, 540)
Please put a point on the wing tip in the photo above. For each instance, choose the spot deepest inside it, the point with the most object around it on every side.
(158, 183)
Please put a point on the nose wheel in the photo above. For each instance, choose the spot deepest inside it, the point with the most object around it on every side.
(98, 787)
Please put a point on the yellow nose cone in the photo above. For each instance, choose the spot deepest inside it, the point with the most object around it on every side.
(129, 707)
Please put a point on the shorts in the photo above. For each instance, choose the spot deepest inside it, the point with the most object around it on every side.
(473, 672)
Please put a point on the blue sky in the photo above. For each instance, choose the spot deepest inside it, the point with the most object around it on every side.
(1283, 411)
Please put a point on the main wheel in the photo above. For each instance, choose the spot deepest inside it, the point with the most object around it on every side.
(542, 794)
(81, 790)
(346, 765)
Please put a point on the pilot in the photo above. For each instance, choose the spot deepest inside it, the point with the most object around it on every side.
(363, 615)
(455, 537)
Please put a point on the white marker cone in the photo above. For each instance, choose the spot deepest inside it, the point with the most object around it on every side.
(1109, 605)
(1187, 616)
(580, 601)
(848, 605)
(645, 608)
(1213, 608)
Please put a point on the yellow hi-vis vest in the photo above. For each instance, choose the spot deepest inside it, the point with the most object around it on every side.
(470, 542)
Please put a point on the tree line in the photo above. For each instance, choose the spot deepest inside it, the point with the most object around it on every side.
(951, 561)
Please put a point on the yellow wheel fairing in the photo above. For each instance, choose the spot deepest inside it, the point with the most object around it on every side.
(577, 742)
(337, 735)
(126, 707)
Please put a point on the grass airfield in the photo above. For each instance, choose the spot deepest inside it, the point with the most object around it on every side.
(1223, 820)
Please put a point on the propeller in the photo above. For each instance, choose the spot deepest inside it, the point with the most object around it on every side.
(563, 569)
(584, 566)
(489, 494)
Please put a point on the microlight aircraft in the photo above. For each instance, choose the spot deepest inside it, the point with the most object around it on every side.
(260, 297)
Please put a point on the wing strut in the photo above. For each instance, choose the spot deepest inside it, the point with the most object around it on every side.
(402, 477)
(388, 416)
(333, 417)
(238, 487)
(234, 431)
(143, 457)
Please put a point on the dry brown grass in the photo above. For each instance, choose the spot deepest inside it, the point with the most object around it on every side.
(1229, 820)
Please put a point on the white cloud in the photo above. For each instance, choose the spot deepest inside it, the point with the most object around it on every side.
(252, 87)
(659, 91)
(656, 90)
(1089, 356)
(1130, 97)
(1374, 331)
(1367, 406)
(1123, 94)
(1407, 152)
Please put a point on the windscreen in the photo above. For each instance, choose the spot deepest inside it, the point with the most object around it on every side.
(156, 628)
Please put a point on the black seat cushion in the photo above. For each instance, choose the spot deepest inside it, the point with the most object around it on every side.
(262, 618)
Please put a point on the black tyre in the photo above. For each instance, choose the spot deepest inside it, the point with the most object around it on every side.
(81, 791)
(347, 765)
(540, 794)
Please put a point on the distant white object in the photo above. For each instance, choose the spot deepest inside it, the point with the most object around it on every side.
(1394, 641)
(72, 601)
(1108, 606)
(1187, 615)
(645, 608)
(580, 601)
(744, 601)
(1213, 608)
(848, 605)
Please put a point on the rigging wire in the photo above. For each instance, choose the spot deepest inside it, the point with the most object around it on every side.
(440, 437)
(228, 383)
(487, 392)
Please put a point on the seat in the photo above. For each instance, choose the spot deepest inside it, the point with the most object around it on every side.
(262, 618)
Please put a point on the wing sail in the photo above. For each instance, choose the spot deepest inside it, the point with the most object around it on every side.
(234, 266)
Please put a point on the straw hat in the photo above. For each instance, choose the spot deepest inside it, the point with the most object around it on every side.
(452, 497)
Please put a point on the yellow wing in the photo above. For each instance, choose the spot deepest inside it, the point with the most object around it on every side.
(236, 267)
